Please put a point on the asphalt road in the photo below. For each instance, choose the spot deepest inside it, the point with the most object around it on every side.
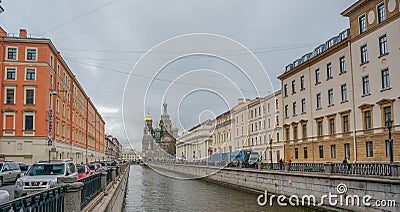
(10, 188)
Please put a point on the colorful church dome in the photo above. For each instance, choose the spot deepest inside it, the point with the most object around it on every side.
(148, 118)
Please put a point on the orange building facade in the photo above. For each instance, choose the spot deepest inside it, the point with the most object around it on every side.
(45, 113)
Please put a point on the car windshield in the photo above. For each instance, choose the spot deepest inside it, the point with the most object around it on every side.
(81, 169)
(46, 169)
(92, 167)
(254, 156)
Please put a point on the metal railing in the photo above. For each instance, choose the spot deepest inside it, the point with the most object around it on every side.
(51, 200)
(91, 187)
(307, 167)
(362, 169)
(370, 169)
(109, 176)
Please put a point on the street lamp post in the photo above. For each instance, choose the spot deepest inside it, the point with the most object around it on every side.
(389, 123)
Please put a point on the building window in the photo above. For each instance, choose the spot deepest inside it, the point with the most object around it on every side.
(383, 45)
(303, 105)
(330, 96)
(11, 73)
(321, 151)
(52, 61)
(293, 86)
(302, 86)
(381, 12)
(296, 153)
(370, 149)
(317, 76)
(277, 120)
(10, 96)
(329, 71)
(294, 109)
(12, 53)
(30, 74)
(276, 104)
(29, 96)
(387, 112)
(319, 128)
(285, 90)
(365, 81)
(319, 101)
(343, 89)
(31, 54)
(305, 153)
(333, 151)
(367, 120)
(332, 126)
(364, 54)
(347, 150)
(342, 65)
(277, 136)
(295, 133)
(286, 111)
(345, 124)
(385, 78)
(28, 123)
(362, 22)
(304, 128)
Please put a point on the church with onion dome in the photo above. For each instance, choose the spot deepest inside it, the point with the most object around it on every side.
(159, 141)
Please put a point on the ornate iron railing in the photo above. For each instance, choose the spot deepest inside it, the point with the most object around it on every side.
(275, 166)
(51, 200)
(370, 169)
(91, 187)
(306, 167)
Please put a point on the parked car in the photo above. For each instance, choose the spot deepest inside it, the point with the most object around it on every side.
(254, 159)
(83, 171)
(4, 196)
(92, 168)
(42, 175)
(9, 172)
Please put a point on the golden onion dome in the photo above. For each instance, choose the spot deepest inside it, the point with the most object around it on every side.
(148, 118)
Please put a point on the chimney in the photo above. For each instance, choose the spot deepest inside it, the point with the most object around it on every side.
(22, 33)
(240, 100)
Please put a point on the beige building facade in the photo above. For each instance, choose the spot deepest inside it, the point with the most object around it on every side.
(196, 143)
(338, 98)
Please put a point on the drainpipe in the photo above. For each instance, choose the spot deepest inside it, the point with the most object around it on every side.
(354, 111)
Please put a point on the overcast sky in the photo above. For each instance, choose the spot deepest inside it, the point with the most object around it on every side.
(102, 40)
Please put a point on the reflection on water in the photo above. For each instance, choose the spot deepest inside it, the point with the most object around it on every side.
(151, 191)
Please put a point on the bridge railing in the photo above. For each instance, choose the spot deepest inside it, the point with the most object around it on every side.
(51, 200)
(361, 169)
(91, 188)
(370, 169)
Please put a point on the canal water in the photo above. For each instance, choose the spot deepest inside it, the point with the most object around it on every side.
(150, 191)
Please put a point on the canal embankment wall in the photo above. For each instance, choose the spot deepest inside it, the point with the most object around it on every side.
(113, 197)
(301, 185)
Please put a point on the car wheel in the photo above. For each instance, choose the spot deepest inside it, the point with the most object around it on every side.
(1, 181)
